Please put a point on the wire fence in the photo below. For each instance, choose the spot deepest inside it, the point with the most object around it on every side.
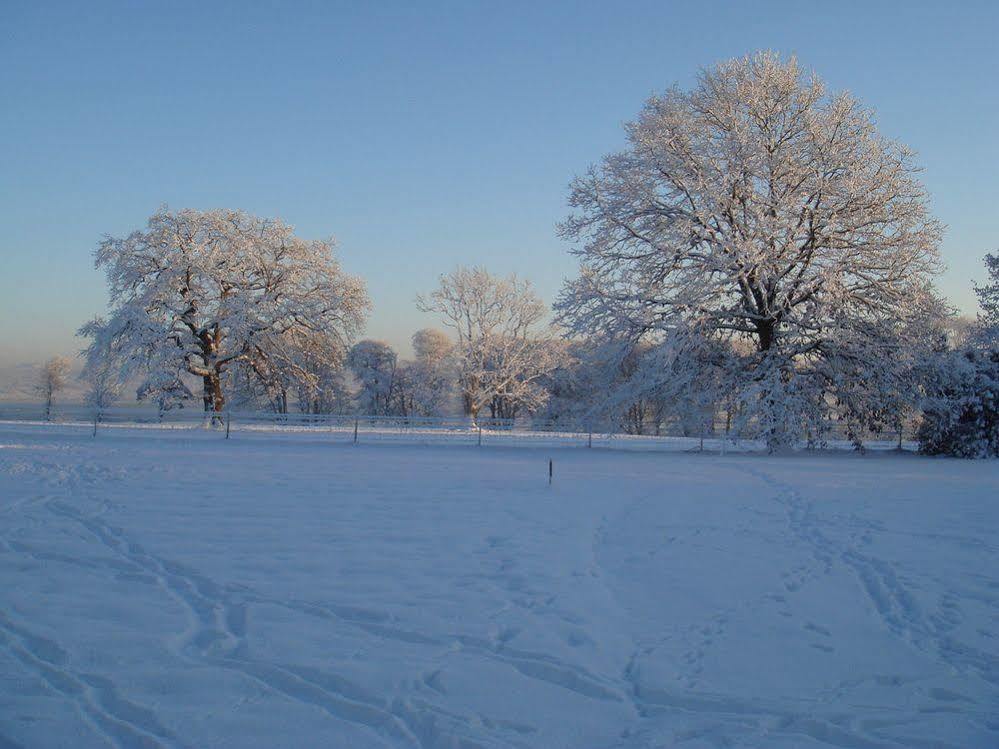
(709, 435)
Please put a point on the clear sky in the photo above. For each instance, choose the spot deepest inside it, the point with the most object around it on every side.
(421, 134)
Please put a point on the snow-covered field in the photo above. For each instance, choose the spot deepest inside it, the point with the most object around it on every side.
(176, 589)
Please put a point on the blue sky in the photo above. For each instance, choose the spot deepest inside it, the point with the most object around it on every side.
(421, 135)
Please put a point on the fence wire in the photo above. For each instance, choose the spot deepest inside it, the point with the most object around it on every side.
(354, 428)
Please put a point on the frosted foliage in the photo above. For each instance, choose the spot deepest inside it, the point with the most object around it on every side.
(758, 209)
(52, 378)
(374, 366)
(431, 375)
(103, 383)
(198, 294)
(961, 408)
(504, 350)
(988, 299)
(961, 411)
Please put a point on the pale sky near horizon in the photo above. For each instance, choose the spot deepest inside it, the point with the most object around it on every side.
(421, 135)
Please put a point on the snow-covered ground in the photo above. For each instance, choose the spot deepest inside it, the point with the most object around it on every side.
(176, 589)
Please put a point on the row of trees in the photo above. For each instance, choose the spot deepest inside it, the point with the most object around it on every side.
(258, 318)
(759, 252)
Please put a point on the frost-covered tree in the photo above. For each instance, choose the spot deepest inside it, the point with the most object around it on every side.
(587, 391)
(755, 207)
(103, 382)
(374, 365)
(431, 346)
(320, 376)
(988, 300)
(635, 388)
(961, 411)
(516, 373)
(432, 373)
(304, 366)
(52, 377)
(199, 293)
(503, 348)
(961, 384)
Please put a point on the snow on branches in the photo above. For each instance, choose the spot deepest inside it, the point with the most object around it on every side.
(503, 351)
(375, 366)
(756, 208)
(52, 377)
(199, 293)
(961, 405)
(988, 300)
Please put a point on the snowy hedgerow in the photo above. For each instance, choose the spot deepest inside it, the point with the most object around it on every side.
(199, 294)
(755, 209)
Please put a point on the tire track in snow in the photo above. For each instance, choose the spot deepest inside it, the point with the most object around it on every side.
(895, 605)
(117, 720)
(217, 635)
(218, 639)
(538, 666)
(751, 717)
(738, 716)
(114, 718)
(214, 637)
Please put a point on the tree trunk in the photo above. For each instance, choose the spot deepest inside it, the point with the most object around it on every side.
(213, 398)
(471, 409)
(765, 330)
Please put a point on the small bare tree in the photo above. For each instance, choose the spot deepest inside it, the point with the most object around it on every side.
(103, 384)
(51, 379)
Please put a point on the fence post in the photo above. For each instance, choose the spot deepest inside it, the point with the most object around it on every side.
(589, 438)
(480, 436)
(228, 423)
(551, 471)
(355, 430)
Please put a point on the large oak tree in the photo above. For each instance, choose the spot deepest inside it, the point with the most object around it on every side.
(756, 209)
(198, 293)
